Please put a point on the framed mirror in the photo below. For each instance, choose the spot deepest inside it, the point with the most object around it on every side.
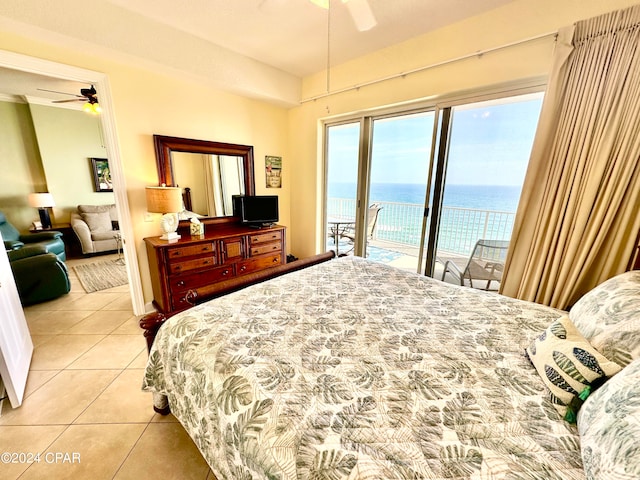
(208, 172)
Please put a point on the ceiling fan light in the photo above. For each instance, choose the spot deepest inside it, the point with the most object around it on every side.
(92, 107)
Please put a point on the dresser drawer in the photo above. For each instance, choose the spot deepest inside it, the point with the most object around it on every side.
(179, 283)
(259, 263)
(266, 248)
(179, 267)
(265, 237)
(190, 251)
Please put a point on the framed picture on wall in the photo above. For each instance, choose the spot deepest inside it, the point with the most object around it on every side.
(101, 175)
(273, 169)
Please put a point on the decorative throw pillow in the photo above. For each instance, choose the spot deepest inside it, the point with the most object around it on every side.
(97, 222)
(609, 427)
(568, 364)
(608, 317)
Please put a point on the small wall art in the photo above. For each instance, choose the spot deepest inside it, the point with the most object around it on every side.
(273, 169)
(101, 175)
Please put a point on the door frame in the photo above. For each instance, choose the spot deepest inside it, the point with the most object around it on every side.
(26, 63)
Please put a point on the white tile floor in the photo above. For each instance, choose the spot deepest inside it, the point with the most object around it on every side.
(84, 397)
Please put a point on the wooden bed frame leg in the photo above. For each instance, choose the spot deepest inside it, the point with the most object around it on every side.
(150, 323)
(161, 404)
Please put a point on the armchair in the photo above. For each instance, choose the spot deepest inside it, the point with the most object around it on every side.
(96, 226)
(39, 275)
(50, 240)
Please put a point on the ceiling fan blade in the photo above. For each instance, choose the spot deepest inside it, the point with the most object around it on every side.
(361, 13)
(61, 93)
(70, 100)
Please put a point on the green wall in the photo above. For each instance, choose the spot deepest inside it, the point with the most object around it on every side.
(47, 149)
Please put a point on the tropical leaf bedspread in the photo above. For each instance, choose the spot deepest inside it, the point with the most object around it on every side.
(355, 370)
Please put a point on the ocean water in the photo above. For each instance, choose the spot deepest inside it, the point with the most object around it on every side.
(400, 220)
(483, 197)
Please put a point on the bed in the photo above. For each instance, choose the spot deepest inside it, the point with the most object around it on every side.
(351, 369)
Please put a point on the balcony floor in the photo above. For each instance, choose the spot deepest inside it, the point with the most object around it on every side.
(405, 257)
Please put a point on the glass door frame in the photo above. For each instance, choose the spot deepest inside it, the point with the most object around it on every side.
(365, 145)
(441, 106)
(444, 112)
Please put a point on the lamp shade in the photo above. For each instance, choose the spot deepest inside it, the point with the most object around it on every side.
(164, 199)
(41, 200)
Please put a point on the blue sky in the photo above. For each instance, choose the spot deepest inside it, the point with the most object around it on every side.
(490, 145)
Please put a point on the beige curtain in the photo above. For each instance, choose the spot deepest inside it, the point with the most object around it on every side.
(579, 212)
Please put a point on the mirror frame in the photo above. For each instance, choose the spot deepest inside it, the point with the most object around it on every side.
(164, 145)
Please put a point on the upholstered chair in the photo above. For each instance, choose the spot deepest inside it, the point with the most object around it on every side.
(39, 275)
(50, 240)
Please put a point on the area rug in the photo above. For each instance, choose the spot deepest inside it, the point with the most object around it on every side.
(101, 275)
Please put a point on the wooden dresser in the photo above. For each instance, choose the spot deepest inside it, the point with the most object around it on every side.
(194, 269)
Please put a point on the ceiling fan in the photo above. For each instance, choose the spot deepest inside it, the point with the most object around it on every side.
(87, 95)
(360, 11)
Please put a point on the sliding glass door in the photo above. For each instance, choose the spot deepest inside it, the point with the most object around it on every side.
(377, 172)
(417, 189)
(479, 178)
(342, 154)
(400, 152)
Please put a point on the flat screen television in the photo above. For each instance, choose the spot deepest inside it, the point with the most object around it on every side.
(257, 210)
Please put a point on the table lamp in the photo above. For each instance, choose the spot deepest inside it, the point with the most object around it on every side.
(168, 201)
(42, 201)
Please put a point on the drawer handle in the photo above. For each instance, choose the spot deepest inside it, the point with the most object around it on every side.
(181, 283)
(226, 272)
(190, 297)
(206, 262)
(243, 268)
(204, 249)
(275, 247)
(276, 260)
(178, 267)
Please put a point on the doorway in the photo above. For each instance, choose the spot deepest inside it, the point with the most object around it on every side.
(47, 68)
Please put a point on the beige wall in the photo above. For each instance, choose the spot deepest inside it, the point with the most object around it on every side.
(147, 103)
(514, 22)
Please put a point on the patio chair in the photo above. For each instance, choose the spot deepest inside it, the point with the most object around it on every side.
(372, 221)
(486, 263)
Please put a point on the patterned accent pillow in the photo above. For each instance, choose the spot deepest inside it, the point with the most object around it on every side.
(609, 317)
(609, 427)
(567, 363)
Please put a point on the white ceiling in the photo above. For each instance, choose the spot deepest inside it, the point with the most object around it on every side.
(290, 36)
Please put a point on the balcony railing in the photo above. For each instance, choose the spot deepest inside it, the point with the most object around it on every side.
(460, 228)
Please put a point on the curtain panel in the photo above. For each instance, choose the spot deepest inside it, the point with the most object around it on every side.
(578, 216)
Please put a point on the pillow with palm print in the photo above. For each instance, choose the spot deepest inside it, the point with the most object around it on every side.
(607, 317)
(609, 427)
(567, 364)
